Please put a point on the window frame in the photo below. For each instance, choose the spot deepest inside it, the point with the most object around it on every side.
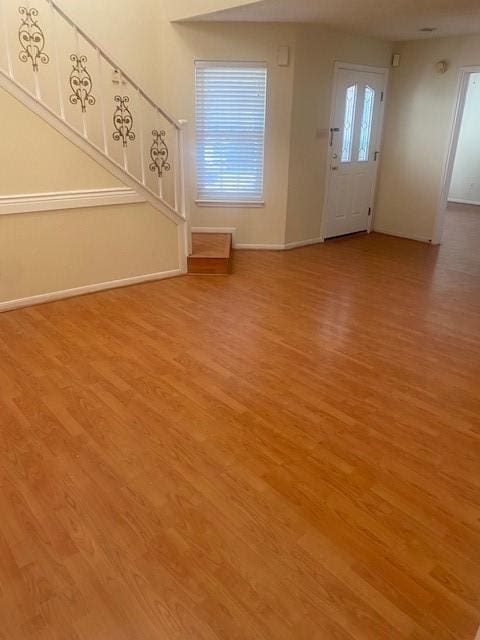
(227, 203)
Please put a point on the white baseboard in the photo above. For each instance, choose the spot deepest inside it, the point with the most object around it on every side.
(43, 298)
(254, 246)
(303, 243)
(30, 202)
(259, 247)
(460, 201)
(389, 232)
(278, 247)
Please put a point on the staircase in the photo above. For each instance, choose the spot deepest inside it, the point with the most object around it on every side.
(53, 67)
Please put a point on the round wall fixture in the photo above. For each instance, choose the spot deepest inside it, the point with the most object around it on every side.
(441, 67)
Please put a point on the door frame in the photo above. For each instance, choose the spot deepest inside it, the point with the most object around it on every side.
(385, 71)
(455, 127)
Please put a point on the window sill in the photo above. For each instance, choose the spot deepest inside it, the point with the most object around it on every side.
(241, 204)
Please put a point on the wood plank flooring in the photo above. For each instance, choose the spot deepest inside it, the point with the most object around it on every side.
(292, 453)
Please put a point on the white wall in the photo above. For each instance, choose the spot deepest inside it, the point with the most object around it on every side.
(129, 31)
(465, 185)
(37, 159)
(420, 109)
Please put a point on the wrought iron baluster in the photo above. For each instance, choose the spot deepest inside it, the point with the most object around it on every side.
(123, 121)
(31, 38)
(159, 153)
(81, 83)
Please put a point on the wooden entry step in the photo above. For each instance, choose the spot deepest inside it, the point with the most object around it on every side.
(211, 254)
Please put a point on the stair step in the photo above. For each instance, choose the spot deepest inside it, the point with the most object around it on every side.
(211, 254)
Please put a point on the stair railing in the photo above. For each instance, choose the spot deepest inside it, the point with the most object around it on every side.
(54, 63)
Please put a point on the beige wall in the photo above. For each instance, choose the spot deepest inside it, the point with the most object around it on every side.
(316, 53)
(127, 30)
(47, 252)
(35, 158)
(420, 109)
(185, 43)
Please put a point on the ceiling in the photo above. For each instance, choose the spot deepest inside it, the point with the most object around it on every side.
(388, 19)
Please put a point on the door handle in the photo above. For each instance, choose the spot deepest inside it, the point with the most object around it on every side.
(334, 168)
(332, 132)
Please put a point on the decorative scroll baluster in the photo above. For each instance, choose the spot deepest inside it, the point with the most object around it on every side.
(159, 153)
(31, 38)
(123, 121)
(81, 83)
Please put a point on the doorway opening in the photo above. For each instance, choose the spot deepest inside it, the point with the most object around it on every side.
(354, 148)
(458, 219)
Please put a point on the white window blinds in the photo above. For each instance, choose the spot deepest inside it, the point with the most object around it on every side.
(230, 131)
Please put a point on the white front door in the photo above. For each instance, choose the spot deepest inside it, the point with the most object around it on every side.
(354, 149)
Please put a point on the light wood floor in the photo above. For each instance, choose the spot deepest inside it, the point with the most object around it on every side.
(289, 453)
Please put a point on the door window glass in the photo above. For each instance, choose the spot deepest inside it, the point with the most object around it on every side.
(349, 121)
(366, 125)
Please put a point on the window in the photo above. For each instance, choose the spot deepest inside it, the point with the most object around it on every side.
(349, 121)
(230, 131)
(366, 125)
